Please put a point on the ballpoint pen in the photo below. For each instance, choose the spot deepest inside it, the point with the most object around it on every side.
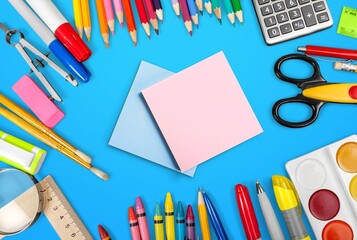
(289, 204)
(329, 52)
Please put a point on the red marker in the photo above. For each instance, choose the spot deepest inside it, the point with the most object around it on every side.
(134, 225)
(247, 213)
(58, 24)
(329, 52)
(103, 234)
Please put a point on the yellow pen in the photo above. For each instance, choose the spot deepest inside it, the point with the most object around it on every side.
(169, 218)
(289, 205)
(202, 212)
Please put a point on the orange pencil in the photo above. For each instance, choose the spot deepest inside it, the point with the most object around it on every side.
(102, 21)
(128, 12)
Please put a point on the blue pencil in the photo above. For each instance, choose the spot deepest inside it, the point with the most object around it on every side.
(208, 6)
(193, 11)
(180, 222)
(216, 222)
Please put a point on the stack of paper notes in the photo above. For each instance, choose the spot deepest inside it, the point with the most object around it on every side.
(184, 119)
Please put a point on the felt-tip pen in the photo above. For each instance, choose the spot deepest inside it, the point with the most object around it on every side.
(329, 52)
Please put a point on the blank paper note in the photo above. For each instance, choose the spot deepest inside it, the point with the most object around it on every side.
(202, 111)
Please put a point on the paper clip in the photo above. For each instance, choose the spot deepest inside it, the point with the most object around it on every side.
(21, 45)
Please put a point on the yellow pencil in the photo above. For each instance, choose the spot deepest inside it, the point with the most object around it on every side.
(169, 218)
(202, 212)
(86, 18)
(78, 20)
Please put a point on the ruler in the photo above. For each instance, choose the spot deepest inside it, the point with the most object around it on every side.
(60, 213)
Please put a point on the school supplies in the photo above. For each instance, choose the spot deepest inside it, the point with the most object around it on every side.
(217, 10)
(202, 212)
(76, 68)
(58, 24)
(284, 20)
(190, 224)
(246, 212)
(130, 21)
(109, 13)
(176, 6)
(237, 8)
(21, 154)
(87, 25)
(118, 7)
(269, 214)
(229, 10)
(36, 128)
(193, 11)
(186, 16)
(158, 9)
(143, 224)
(215, 221)
(326, 181)
(345, 66)
(199, 4)
(152, 16)
(134, 225)
(315, 91)
(169, 217)
(102, 19)
(289, 204)
(329, 52)
(348, 22)
(158, 224)
(208, 6)
(103, 233)
(135, 125)
(207, 85)
(143, 18)
(78, 19)
(180, 221)
(38, 101)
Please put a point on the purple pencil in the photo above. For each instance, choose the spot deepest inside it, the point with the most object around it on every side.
(190, 224)
(186, 16)
(143, 224)
(176, 6)
(158, 9)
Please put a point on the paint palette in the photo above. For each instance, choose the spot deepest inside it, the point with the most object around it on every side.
(326, 181)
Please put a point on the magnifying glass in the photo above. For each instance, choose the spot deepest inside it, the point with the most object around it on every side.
(20, 201)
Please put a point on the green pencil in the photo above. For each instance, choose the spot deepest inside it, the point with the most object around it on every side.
(237, 8)
(217, 10)
(229, 10)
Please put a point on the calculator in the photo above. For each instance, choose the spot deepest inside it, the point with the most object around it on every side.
(282, 20)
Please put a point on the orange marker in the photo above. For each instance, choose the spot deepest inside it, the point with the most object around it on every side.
(128, 12)
(102, 21)
(103, 234)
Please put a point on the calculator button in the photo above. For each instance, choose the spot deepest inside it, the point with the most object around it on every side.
(266, 10)
(303, 1)
(299, 24)
(295, 13)
(270, 21)
(320, 6)
(282, 17)
(261, 2)
(273, 32)
(291, 3)
(286, 28)
(309, 15)
(322, 17)
(279, 6)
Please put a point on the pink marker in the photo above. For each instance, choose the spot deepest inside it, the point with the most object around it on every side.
(109, 13)
(143, 224)
(134, 225)
(118, 6)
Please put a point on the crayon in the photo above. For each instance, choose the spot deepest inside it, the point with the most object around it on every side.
(190, 224)
(143, 224)
(134, 225)
(103, 234)
(158, 224)
(180, 222)
(169, 217)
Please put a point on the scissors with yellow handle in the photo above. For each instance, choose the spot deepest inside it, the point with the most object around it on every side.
(316, 91)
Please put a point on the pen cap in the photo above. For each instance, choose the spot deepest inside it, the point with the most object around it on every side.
(20, 154)
(247, 213)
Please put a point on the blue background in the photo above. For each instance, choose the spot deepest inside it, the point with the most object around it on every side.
(92, 110)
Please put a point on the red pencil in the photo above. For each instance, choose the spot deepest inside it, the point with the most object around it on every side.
(128, 12)
(142, 15)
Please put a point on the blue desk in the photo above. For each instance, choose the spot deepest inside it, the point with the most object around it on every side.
(92, 110)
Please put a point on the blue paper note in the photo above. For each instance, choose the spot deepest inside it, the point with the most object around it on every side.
(136, 131)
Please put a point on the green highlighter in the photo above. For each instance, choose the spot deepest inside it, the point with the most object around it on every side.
(20, 154)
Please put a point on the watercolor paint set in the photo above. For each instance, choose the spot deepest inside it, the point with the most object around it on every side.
(326, 182)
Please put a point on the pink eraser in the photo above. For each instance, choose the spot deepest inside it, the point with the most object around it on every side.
(38, 101)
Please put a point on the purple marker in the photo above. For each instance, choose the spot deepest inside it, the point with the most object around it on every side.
(190, 224)
(143, 224)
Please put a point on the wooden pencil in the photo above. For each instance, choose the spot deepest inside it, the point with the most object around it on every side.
(176, 6)
(199, 4)
(193, 11)
(87, 25)
(109, 14)
(186, 16)
(142, 15)
(102, 21)
(229, 10)
(237, 8)
(152, 16)
(78, 20)
(158, 9)
(119, 12)
(217, 10)
(128, 12)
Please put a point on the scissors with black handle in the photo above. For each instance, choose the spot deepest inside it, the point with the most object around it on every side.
(315, 91)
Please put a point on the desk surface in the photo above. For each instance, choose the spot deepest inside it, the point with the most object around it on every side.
(92, 110)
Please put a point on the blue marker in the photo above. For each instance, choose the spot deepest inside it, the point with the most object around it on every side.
(180, 222)
(193, 11)
(66, 58)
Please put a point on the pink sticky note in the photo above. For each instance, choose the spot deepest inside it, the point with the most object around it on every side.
(202, 111)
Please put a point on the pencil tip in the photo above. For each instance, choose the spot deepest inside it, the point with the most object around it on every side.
(201, 13)
(112, 33)
(197, 26)
(122, 25)
(157, 31)
(220, 21)
(191, 33)
(149, 36)
(135, 43)
(107, 45)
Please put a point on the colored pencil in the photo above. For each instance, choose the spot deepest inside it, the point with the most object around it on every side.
(202, 212)
(143, 224)
(152, 16)
(119, 11)
(158, 224)
(86, 18)
(208, 6)
(217, 10)
(128, 12)
(103, 234)
(142, 15)
(180, 221)
(176, 6)
(237, 8)
(229, 10)
(133, 223)
(169, 218)
(78, 20)
(190, 224)
(193, 11)
(158, 9)
(109, 13)
(102, 21)
(186, 16)
(199, 4)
